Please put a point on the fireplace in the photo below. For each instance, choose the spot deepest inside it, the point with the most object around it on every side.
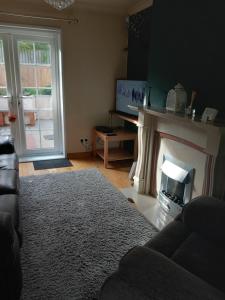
(176, 185)
(178, 159)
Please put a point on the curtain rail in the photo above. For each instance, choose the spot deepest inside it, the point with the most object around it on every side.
(69, 20)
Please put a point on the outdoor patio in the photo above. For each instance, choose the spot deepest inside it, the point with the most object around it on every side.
(40, 136)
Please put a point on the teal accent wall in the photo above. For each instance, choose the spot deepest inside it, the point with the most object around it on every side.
(188, 46)
(139, 30)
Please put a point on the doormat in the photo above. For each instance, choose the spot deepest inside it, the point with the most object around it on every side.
(51, 164)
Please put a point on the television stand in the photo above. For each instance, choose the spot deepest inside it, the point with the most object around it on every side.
(114, 154)
(124, 116)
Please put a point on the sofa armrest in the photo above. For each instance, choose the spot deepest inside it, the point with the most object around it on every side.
(146, 274)
(6, 234)
(6, 145)
(206, 216)
(10, 269)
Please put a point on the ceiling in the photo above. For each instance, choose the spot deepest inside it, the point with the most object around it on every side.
(120, 6)
(111, 3)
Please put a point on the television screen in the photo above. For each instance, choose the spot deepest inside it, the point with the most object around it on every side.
(129, 92)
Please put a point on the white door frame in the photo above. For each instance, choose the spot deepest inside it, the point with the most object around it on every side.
(11, 34)
(9, 78)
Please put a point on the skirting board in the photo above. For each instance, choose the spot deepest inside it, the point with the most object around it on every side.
(79, 155)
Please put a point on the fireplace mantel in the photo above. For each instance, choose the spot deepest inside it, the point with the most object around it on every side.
(154, 125)
(181, 118)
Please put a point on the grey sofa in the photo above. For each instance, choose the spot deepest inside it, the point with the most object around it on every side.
(186, 260)
(10, 233)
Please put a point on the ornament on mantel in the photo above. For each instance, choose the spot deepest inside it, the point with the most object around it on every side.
(177, 99)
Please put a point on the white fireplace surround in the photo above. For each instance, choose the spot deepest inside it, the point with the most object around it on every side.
(193, 142)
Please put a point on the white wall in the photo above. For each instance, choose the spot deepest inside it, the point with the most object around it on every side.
(92, 60)
(91, 64)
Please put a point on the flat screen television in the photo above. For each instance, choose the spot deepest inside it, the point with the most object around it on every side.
(130, 92)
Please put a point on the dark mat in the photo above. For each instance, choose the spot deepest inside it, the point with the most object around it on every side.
(51, 164)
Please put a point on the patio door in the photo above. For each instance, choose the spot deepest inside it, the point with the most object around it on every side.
(32, 91)
(6, 107)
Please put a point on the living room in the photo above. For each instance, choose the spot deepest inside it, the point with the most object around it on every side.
(75, 226)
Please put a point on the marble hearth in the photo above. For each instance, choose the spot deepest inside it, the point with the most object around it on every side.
(198, 145)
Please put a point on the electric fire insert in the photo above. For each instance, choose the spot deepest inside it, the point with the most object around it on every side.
(176, 185)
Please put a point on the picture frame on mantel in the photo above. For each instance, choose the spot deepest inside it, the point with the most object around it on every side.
(209, 114)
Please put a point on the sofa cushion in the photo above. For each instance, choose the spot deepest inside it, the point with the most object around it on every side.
(10, 271)
(202, 258)
(9, 204)
(8, 182)
(9, 162)
(170, 238)
(146, 274)
(6, 145)
(206, 215)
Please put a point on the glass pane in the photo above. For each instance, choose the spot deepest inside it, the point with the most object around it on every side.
(46, 91)
(3, 91)
(4, 104)
(44, 103)
(27, 74)
(2, 75)
(43, 53)
(45, 118)
(2, 59)
(36, 81)
(47, 139)
(29, 104)
(44, 77)
(29, 91)
(33, 140)
(26, 52)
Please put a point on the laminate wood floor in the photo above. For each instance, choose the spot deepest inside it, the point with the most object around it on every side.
(117, 174)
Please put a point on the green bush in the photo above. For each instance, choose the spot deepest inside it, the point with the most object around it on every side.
(34, 91)
(29, 92)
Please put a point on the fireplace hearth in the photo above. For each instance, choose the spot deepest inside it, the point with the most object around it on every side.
(198, 148)
(176, 185)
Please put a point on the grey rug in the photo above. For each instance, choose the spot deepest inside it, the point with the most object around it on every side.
(76, 227)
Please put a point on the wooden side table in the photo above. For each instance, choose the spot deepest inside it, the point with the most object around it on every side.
(114, 154)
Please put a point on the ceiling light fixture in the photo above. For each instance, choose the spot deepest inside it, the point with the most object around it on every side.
(60, 4)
